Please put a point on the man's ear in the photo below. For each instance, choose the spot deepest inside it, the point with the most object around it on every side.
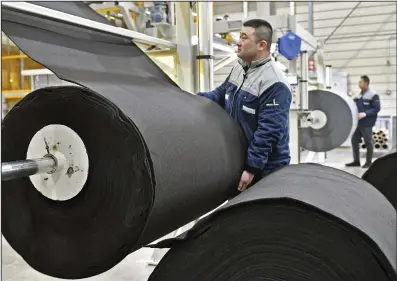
(263, 44)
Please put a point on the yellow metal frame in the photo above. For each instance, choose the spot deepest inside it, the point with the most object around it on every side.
(13, 57)
(108, 10)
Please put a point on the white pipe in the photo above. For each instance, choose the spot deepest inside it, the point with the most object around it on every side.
(205, 37)
(304, 95)
(292, 8)
(292, 65)
(328, 76)
(171, 12)
(245, 10)
(225, 61)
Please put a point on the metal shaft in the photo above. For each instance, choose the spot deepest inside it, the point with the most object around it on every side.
(25, 168)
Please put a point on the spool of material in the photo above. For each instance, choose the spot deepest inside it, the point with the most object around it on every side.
(291, 226)
(341, 121)
(159, 157)
(382, 175)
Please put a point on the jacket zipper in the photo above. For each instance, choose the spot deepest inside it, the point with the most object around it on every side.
(238, 89)
(234, 95)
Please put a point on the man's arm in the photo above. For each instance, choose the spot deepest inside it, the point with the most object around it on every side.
(217, 95)
(273, 118)
(375, 106)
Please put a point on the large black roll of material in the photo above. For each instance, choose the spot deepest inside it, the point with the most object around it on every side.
(335, 117)
(159, 157)
(303, 222)
(382, 174)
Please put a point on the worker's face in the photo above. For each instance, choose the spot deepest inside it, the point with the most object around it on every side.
(362, 84)
(248, 47)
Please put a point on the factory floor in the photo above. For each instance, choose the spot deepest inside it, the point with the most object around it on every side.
(134, 268)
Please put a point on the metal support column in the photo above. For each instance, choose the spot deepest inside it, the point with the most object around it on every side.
(303, 93)
(292, 8)
(328, 76)
(294, 136)
(310, 17)
(171, 13)
(292, 65)
(245, 10)
(294, 114)
(205, 40)
(186, 62)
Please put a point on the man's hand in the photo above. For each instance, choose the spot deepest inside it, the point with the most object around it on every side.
(246, 179)
(361, 115)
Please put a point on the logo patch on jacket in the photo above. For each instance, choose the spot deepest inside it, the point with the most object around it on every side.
(272, 104)
(249, 110)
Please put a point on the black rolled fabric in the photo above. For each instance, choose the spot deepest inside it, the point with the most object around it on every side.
(382, 174)
(340, 121)
(159, 157)
(303, 222)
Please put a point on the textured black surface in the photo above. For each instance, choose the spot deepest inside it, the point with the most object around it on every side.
(159, 157)
(339, 122)
(383, 174)
(303, 222)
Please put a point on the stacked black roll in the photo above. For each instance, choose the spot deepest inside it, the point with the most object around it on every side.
(159, 157)
(303, 222)
(382, 174)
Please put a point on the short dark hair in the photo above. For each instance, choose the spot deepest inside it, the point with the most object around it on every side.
(263, 30)
(365, 79)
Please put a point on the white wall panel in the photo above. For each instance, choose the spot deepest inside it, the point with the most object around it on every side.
(355, 54)
(361, 45)
(365, 62)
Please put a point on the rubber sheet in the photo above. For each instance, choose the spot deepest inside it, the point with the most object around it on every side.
(159, 157)
(341, 120)
(302, 222)
(383, 174)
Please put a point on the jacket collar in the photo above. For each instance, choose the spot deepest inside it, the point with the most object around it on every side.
(364, 91)
(256, 63)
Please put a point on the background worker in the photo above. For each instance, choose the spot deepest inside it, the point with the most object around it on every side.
(368, 105)
(258, 96)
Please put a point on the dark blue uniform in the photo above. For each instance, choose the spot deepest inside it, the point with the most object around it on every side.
(369, 103)
(258, 96)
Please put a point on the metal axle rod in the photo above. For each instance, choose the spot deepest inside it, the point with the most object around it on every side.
(19, 169)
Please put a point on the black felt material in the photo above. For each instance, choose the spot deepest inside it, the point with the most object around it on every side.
(303, 222)
(339, 123)
(383, 174)
(159, 157)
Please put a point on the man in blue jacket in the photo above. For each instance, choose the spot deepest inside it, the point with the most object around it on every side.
(258, 96)
(368, 105)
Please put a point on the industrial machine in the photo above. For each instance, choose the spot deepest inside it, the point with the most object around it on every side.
(307, 117)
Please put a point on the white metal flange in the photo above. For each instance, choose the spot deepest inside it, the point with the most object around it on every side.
(319, 119)
(69, 150)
